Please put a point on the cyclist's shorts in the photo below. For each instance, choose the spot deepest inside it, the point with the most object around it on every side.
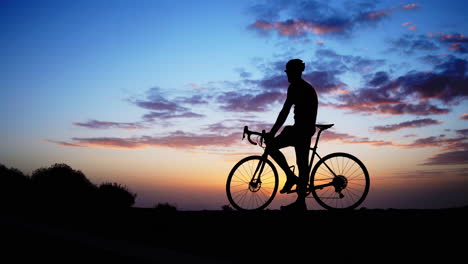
(294, 136)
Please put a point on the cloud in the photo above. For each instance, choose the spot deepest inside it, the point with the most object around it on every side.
(408, 124)
(63, 143)
(457, 42)
(459, 157)
(330, 61)
(241, 102)
(151, 116)
(452, 38)
(162, 108)
(458, 47)
(95, 124)
(448, 143)
(464, 116)
(410, 6)
(413, 93)
(463, 132)
(350, 139)
(410, 25)
(316, 17)
(176, 139)
(411, 43)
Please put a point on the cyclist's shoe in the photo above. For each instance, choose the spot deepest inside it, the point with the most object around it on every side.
(290, 182)
(297, 206)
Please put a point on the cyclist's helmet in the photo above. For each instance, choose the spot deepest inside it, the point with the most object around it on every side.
(295, 65)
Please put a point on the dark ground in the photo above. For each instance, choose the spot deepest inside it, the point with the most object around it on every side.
(145, 236)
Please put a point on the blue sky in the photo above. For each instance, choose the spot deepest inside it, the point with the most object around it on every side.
(93, 83)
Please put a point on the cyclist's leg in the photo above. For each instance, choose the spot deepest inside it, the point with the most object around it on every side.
(302, 161)
(302, 149)
(273, 149)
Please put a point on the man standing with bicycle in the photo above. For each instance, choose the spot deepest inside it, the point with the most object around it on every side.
(304, 98)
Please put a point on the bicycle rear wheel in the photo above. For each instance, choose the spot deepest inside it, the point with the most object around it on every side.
(339, 181)
(252, 184)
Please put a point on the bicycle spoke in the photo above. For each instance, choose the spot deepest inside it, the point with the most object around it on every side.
(347, 183)
(247, 191)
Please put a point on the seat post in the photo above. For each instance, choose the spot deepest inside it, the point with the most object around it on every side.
(317, 139)
(314, 149)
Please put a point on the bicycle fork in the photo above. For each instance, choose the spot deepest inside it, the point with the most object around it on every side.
(256, 182)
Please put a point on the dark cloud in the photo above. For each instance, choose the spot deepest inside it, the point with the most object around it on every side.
(408, 124)
(329, 60)
(455, 42)
(442, 141)
(96, 124)
(462, 132)
(241, 102)
(447, 84)
(162, 108)
(459, 157)
(413, 93)
(151, 116)
(452, 38)
(464, 116)
(324, 81)
(378, 79)
(411, 43)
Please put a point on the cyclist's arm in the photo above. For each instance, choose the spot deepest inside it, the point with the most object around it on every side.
(283, 115)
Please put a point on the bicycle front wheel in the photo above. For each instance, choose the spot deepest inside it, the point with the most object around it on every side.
(252, 184)
(339, 181)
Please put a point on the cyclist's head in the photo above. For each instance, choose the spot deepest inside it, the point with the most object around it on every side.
(294, 69)
(295, 65)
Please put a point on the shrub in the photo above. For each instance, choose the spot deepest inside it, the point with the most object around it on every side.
(15, 187)
(165, 207)
(60, 185)
(114, 195)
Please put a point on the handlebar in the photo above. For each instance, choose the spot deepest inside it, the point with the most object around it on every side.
(250, 133)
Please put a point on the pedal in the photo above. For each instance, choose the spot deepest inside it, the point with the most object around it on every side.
(292, 191)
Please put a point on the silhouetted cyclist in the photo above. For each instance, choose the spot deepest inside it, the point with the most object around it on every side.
(304, 98)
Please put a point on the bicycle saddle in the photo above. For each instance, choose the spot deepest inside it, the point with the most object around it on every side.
(324, 126)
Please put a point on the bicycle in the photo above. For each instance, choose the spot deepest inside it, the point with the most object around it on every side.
(338, 181)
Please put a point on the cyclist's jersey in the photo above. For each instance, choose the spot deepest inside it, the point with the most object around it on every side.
(304, 98)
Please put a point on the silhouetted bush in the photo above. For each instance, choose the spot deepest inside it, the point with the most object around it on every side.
(227, 208)
(60, 185)
(15, 187)
(114, 195)
(165, 208)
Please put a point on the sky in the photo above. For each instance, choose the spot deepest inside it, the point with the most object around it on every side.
(154, 94)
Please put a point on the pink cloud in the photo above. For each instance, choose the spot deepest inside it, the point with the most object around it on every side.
(455, 46)
(297, 27)
(261, 24)
(410, 25)
(410, 6)
(176, 139)
(464, 116)
(375, 15)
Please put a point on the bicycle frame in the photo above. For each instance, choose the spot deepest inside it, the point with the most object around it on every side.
(254, 183)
